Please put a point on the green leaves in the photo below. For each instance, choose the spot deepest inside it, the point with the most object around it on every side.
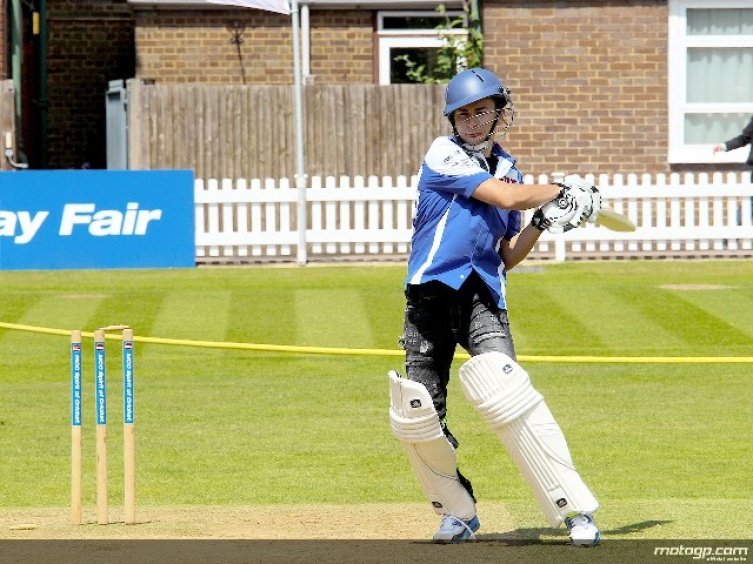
(457, 52)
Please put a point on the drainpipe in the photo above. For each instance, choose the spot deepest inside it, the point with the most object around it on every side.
(305, 44)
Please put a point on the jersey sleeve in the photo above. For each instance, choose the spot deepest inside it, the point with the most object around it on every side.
(745, 138)
(447, 168)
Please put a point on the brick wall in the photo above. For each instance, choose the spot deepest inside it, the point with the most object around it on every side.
(90, 43)
(589, 77)
(182, 46)
(589, 81)
(195, 47)
(342, 46)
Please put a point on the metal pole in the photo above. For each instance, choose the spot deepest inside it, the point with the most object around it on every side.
(300, 178)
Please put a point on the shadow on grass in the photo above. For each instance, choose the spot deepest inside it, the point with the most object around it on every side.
(636, 527)
(548, 536)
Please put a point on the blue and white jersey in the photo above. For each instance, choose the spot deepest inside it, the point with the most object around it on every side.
(454, 234)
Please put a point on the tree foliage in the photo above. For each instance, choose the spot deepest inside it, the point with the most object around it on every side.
(458, 50)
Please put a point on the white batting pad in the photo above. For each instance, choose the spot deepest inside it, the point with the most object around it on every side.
(501, 390)
(416, 425)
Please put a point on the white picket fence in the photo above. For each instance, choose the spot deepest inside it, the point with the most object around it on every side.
(370, 218)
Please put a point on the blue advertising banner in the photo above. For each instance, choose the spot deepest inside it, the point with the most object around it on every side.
(75, 219)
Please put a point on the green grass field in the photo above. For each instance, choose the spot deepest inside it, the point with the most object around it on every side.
(666, 447)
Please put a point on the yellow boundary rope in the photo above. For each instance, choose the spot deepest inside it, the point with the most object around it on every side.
(384, 352)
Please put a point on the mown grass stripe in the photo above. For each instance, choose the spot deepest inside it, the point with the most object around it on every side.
(530, 321)
(331, 318)
(689, 323)
(540, 325)
(70, 311)
(199, 315)
(262, 315)
(727, 304)
(613, 317)
(25, 353)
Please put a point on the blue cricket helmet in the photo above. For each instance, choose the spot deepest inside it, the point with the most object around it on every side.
(472, 85)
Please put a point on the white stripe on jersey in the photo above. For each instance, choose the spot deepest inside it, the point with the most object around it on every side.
(434, 245)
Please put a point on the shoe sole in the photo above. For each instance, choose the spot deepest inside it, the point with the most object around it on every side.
(586, 544)
(460, 540)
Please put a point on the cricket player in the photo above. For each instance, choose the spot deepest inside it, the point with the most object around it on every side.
(467, 234)
(745, 138)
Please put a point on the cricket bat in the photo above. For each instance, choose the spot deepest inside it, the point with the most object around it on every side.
(614, 221)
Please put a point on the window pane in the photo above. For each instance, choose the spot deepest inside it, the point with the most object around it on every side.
(420, 55)
(720, 75)
(720, 22)
(412, 22)
(705, 129)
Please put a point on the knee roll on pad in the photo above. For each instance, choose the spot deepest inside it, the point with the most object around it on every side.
(501, 390)
(415, 424)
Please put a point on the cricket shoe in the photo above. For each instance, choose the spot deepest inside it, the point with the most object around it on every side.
(583, 529)
(455, 530)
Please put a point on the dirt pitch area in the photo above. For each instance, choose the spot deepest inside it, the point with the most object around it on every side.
(336, 534)
(413, 521)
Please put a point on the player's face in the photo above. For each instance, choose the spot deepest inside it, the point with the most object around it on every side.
(474, 121)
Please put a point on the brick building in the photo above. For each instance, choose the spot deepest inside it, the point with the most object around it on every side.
(88, 42)
(604, 86)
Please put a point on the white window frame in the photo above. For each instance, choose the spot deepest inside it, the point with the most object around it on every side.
(414, 38)
(677, 48)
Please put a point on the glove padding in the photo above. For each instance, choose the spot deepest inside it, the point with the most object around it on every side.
(577, 202)
(586, 193)
(558, 215)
